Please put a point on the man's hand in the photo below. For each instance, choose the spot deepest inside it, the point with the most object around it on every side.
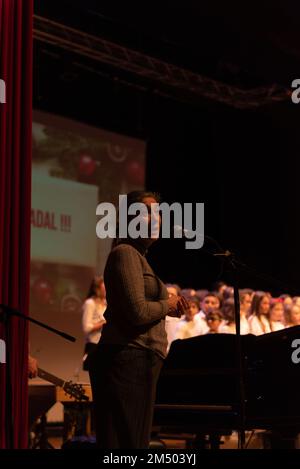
(32, 367)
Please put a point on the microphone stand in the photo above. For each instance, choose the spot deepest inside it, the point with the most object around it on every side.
(5, 313)
(227, 255)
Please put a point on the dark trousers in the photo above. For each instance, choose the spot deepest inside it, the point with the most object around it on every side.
(89, 349)
(123, 383)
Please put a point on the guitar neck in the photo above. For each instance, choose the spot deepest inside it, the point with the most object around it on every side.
(51, 378)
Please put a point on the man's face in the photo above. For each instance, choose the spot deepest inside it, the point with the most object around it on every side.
(172, 291)
(193, 309)
(210, 303)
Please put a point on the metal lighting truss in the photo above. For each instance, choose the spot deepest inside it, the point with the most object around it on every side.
(150, 68)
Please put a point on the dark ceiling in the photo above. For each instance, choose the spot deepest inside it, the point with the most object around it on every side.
(245, 44)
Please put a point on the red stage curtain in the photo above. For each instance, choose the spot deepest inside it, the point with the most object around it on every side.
(15, 203)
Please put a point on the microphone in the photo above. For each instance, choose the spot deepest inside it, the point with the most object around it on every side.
(198, 238)
(190, 234)
(178, 229)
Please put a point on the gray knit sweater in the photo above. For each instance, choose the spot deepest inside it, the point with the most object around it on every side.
(136, 300)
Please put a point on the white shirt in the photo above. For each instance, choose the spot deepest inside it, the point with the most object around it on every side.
(201, 314)
(231, 329)
(259, 326)
(93, 312)
(187, 329)
(170, 327)
(277, 326)
(201, 323)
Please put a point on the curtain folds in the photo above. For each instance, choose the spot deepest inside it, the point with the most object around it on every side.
(15, 203)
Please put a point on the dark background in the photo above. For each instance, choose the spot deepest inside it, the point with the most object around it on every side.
(242, 163)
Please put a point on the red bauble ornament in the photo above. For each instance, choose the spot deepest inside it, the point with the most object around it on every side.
(135, 173)
(42, 291)
(87, 165)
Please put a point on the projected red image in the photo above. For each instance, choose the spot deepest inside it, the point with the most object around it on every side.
(75, 167)
(58, 289)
